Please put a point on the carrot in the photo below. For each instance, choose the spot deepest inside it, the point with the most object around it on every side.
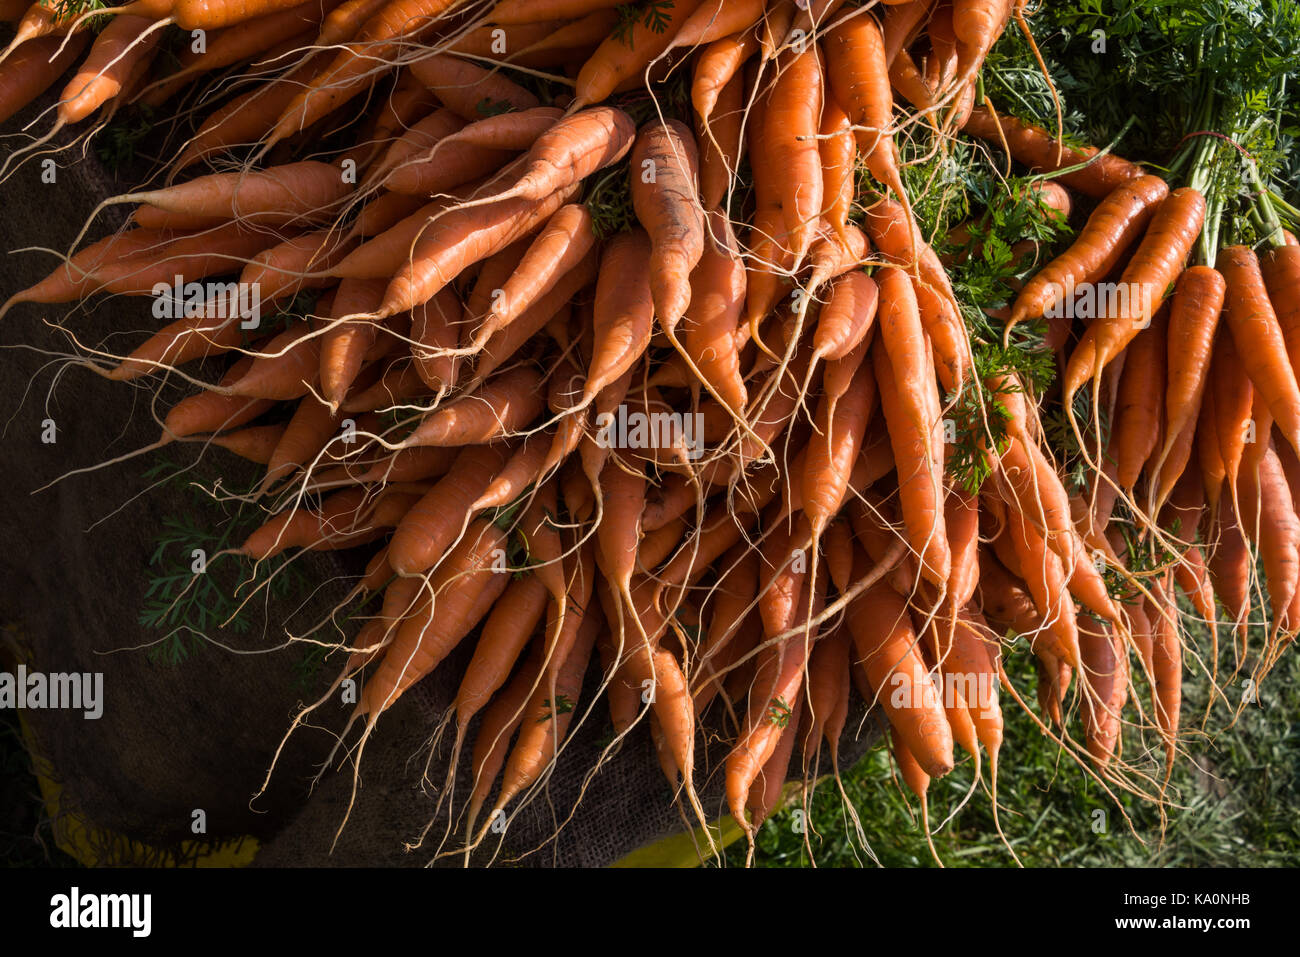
(886, 644)
(1230, 569)
(33, 69)
(342, 23)
(1234, 400)
(1266, 506)
(717, 298)
(213, 15)
(460, 591)
(1151, 271)
(715, 67)
(304, 437)
(212, 411)
(1113, 226)
(119, 48)
(560, 247)
(775, 27)
(244, 41)
(1137, 417)
(766, 798)
(1105, 673)
(665, 167)
(492, 743)
(506, 12)
(435, 162)
(439, 517)
(257, 444)
(274, 196)
(343, 348)
(622, 58)
(1043, 573)
(715, 19)
(1167, 660)
(505, 404)
(839, 161)
(460, 239)
(912, 414)
(288, 368)
(1280, 267)
(505, 633)
(720, 144)
(1258, 338)
(1193, 318)
(1036, 148)
(547, 718)
(833, 449)
(246, 118)
(624, 310)
(791, 123)
(420, 139)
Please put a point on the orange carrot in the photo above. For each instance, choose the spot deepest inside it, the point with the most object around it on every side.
(791, 124)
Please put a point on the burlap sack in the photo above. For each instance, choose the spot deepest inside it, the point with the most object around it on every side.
(200, 735)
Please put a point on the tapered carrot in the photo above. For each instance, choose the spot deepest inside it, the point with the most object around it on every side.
(504, 405)
(1117, 221)
(343, 348)
(716, 66)
(1150, 273)
(1280, 267)
(506, 12)
(34, 67)
(791, 124)
(288, 368)
(624, 310)
(1136, 431)
(280, 194)
(717, 299)
(116, 51)
(623, 58)
(1035, 148)
(1254, 326)
(1105, 672)
(438, 518)
(505, 633)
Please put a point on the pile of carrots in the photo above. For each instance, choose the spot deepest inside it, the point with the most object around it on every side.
(439, 174)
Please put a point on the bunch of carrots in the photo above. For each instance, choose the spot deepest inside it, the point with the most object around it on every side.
(512, 244)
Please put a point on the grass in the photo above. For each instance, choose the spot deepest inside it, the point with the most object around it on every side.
(1234, 801)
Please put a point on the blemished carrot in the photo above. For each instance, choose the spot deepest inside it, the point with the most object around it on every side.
(115, 53)
(213, 411)
(1148, 276)
(1280, 267)
(1193, 319)
(1253, 323)
(274, 196)
(664, 170)
(437, 519)
(288, 368)
(886, 645)
(564, 242)
(623, 58)
(34, 67)
(715, 67)
(791, 124)
(1038, 150)
(461, 238)
(256, 443)
(1114, 225)
(720, 141)
(624, 314)
(455, 600)
(1105, 673)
